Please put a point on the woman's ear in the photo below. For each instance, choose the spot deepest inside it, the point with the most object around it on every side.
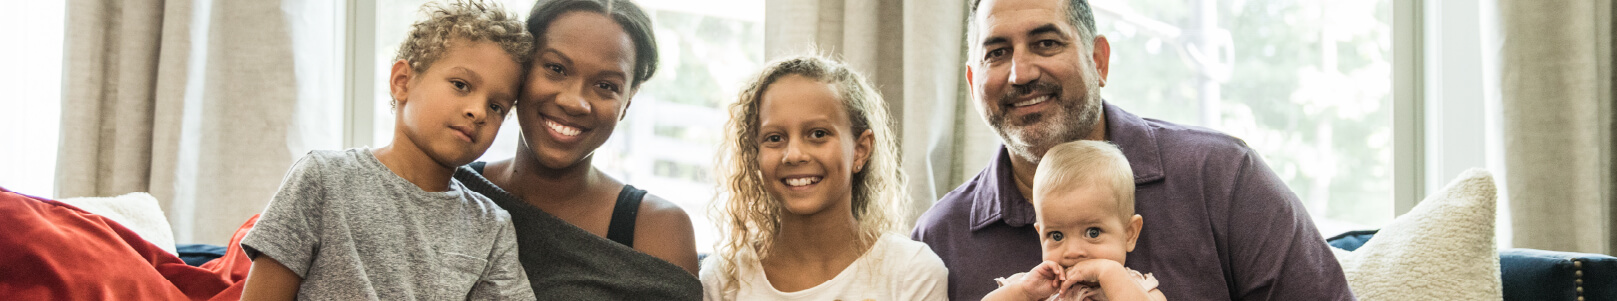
(398, 81)
(862, 150)
(1135, 223)
(627, 100)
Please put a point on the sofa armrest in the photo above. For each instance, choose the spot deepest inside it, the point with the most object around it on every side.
(1530, 274)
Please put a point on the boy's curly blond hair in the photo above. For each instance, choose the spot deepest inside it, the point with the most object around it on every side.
(470, 20)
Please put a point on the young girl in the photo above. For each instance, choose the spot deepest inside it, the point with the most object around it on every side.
(1083, 203)
(813, 180)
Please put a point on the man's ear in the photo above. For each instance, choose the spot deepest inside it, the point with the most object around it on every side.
(971, 84)
(398, 81)
(867, 139)
(1103, 57)
(1135, 223)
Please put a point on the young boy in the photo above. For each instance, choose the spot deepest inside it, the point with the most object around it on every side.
(390, 223)
(1083, 203)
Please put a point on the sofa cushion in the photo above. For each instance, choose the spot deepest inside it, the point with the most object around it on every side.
(198, 254)
(53, 251)
(1443, 249)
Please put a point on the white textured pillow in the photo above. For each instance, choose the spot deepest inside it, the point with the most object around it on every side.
(137, 211)
(1443, 249)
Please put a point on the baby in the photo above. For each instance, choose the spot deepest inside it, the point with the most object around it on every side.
(1083, 188)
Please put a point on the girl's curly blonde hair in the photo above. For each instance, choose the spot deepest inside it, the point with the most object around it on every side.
(469, 20)
(750, 217)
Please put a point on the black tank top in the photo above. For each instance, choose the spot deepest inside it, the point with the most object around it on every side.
(621, 228)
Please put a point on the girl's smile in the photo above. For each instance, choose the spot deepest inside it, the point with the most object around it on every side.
(807, 147)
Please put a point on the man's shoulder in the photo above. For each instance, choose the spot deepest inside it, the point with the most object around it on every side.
(1177, 140)
(1190, 135)
(953, 209)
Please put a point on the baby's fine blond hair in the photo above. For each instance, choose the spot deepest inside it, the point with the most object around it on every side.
(1086, 162)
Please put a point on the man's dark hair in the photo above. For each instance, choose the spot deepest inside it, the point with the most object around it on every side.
(1078, 15)
(634, 21)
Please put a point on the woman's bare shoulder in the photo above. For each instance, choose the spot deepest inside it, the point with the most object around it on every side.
(663, 230)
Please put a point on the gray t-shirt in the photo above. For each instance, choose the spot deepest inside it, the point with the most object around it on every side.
(354, 230)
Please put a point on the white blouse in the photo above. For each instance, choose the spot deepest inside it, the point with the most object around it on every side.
(895, 268)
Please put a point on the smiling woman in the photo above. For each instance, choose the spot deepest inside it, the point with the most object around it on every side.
(592, 56)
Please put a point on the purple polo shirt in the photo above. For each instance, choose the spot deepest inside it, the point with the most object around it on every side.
(1219, 225)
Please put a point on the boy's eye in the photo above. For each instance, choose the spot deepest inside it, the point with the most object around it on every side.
(1092, 232)
(1057, 235)
(819, 133)
(496, 107)
(459, 85)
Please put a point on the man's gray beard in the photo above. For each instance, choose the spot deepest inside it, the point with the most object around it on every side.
(1037, 133)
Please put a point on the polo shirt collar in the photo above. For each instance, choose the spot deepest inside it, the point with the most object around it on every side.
(1137, 138)
(997, 198)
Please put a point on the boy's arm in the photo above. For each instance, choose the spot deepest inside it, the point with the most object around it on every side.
(283, 241)
(505, 278)
(269, 280)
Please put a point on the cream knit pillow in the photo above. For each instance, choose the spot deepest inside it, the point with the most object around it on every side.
(137, 211)
(1443, 249)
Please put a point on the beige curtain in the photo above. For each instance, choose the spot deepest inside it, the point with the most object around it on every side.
(912, 51)
(1557, 98)
(193, 101)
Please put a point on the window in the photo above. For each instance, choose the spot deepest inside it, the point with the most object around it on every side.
(1307, 84)
(33, 109)
(666, 141)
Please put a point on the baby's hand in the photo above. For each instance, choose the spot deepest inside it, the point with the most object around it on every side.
(1090, 271)
(1038, 283)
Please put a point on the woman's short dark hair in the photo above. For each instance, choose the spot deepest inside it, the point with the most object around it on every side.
(630, 16)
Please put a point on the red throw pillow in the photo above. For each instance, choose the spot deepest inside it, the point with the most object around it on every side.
(54, 251)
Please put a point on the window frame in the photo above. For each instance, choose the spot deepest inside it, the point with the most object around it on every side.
(1427, 123)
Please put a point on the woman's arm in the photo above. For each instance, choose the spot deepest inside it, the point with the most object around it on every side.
(663, 230)
(270, 280)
